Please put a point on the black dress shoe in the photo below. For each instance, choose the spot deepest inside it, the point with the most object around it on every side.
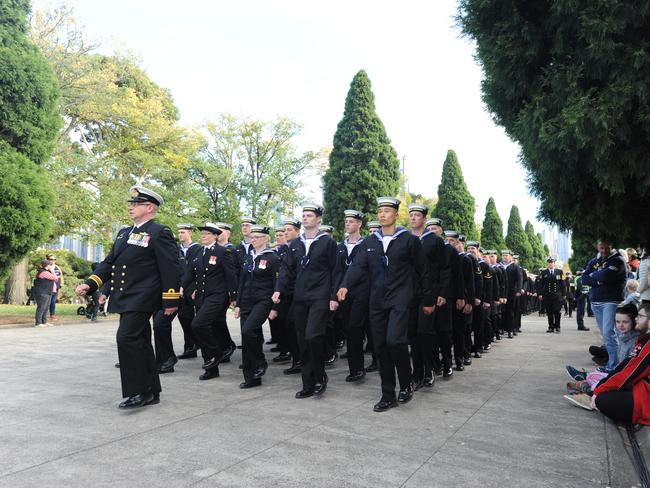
(275, 349)
(343, 355)
(487, 348)
(418, 384)
(283, 357)
(477, 355)
(295, 369)
(357, 376)
(259, 372)
(211, 363)
(583, 328)
(224, 361)
(437, 372)
(557, 331)
(165, 370)
(189, 354)
(549, 331)
(330, 360)
(168, 366)
(405, 395)
(117, 365)
(305, 393)
(459, 366)
(384, 405)
(372, 367)
(509, 335)
(319, 388)
(447, 373)
(210, 373)
(429, 381)
(138, 401)
(271, 341)
(155, 400)
(467, 361)
(339, 345)
(250, 383)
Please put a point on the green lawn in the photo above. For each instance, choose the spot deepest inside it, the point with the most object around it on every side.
(30, 310)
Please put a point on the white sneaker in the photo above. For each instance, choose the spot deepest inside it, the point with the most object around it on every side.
(40, 325)
(581, 400)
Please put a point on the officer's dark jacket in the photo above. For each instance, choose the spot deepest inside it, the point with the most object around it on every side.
(607, 277)
(361, 289)
(142, 271)
(282, 252)
(478, 277)
(311, 275)
(456, 288)
(213, 274)
(467, 270)
(395, 275)
(515, 284)
(489, 283)
(257, 278)
(551, 282)
(185, 261)
(502, 281)
(438, 265)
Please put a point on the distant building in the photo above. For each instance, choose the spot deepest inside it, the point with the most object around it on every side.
(559, 243)
(81, 247)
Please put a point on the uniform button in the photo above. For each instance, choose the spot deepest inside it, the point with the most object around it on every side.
(123, 274)
(112, 274)
(120, 289)
(113, 266)
(124, 266)
(206, 269)
(112, 288)
(122, 281)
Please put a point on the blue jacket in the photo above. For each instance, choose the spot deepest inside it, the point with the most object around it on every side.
(607, 277)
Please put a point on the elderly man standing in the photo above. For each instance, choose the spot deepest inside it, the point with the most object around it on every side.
(143, 272)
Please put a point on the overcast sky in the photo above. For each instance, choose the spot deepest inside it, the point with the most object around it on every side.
(264, 58)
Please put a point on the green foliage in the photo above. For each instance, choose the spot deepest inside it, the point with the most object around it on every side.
(517, 240)
(492, 232)
(583, 250)
(363, 164)
(29, 115)
(538, 259)
(569, 81)
(25, 206)
(74, 269)
(455, 203)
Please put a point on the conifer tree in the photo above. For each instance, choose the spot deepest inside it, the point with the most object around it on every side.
(538, 259)
(363, 164)
(455, 203)
(517, 240)
(492, 232)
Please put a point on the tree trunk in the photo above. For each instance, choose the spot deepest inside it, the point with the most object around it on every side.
(16, 285)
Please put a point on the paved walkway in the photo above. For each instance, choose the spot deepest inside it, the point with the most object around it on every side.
(502, 422)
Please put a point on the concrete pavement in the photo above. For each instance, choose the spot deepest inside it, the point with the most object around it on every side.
(502, 422)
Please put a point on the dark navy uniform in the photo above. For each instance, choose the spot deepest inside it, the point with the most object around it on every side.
(257, 280)
(395, 276)
(354, 310)
(213, 274)
(142, 273)
(514, 287)
(162, 324)
(311, 276)
(551, 288)
(460, 318)
(482, 313)
(475, 317)
(285, 317)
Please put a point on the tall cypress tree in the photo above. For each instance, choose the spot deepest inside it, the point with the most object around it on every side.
(363, 164)
(517, 240)
(538, 258)
(29, 123)
(492, 232)
(455, 203)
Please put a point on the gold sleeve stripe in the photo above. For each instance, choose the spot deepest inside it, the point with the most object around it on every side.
(171, 294)
(97, 280)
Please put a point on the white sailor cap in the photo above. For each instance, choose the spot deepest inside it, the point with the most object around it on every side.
(355, 214)
(388, 202)
(211, 227)
(140, 194)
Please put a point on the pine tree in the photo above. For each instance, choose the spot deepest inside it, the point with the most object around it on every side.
(29, 122)
(538, 259)
(517, 240)
(492, 232)
(455, 203)
(363, 164)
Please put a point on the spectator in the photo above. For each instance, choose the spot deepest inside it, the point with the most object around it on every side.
(44, 286)
(633, 260)
(631, 294)
(624, 396)
(644, 277)
(607, 275)
(59, 283)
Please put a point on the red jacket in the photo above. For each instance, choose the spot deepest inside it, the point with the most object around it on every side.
(633, 373)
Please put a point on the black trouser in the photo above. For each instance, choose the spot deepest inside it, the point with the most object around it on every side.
(553, 306)
(478, 324)
(580, 310)
(252, 318)
(421, 340)
(93, 306)
(311, 323)
(210, 315)
(162, 336)
(285, 308)
(469, 318)
(278, 333)
(330, 336)
(137, 361)
(617, 405)
(354, 312)
(390, 334)
(442, 337)
(509, 313)
(459, 326)
(185, 317)
(519, 310)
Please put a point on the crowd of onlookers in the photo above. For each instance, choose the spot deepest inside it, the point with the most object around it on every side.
(619, 293)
